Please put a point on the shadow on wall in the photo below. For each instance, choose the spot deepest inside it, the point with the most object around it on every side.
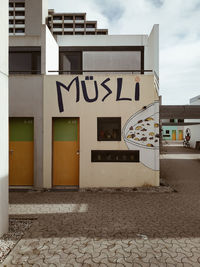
(3, 204)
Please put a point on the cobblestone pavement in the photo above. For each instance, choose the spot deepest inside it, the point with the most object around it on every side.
(114, 229)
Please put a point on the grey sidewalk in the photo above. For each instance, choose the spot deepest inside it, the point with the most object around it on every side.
(114, 229)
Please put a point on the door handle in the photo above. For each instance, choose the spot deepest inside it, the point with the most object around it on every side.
(11, 150)
(77, 152)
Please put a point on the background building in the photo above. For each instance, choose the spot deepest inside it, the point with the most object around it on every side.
(4, 117)
(194, 129)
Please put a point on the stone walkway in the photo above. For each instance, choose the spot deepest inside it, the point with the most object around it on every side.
(113, 229)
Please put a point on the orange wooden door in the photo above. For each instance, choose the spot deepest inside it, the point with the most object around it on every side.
(66, 151)
(173, 134)
(21, 151)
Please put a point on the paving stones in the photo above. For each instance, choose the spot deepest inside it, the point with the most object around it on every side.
(114, 228)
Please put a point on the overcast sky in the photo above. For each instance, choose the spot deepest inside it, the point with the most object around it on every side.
(179, 22)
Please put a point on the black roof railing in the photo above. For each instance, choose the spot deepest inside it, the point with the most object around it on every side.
(96, 71)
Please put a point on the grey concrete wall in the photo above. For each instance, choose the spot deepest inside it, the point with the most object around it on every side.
(151, 60)
(26, 100)
(35, 12)
(119, 60)
(4, 117)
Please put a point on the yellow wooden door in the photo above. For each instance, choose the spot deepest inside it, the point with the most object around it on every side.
(66, 152)
(21, 151)
(173, 134)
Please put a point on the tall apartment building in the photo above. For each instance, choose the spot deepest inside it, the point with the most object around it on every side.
(83, 109)
(72, 24)
(4, 117)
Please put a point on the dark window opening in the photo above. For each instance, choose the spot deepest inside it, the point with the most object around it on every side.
(68, 26)
(19, 5)
(11, 21)
(19, 13)
(90, 26)
(109, 129)
(19, 30)
(10, 13)
(25, 62)
(115, 156)
(71, 61)
(79, 17)
(68, 17)
(56, 26)
(19, 22)
(68, 33)
(57, 17)
(180, 120)
(171, 120)
(10, 4)
(57, 33)
(90, 33)
(101, 33)
(79, 33)
(167, 131)
(79, 26)
(10, 30)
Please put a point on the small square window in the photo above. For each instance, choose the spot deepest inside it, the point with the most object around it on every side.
(167, 131)
(109, 129)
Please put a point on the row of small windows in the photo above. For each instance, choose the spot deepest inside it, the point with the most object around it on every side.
(67, 18)
(16, 30)
(11, 21)
(17, 4)
(17, 13)
(76, 26)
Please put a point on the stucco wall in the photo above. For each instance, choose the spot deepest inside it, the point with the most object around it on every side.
(26, 100)
(4, 117)
(102, 40)
(98, 174)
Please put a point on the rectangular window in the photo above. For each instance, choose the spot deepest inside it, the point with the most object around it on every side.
(71, 61)
(25, 62)
(57, 17)
(19, 21)
(79, 17)
(109, 129)
(115, 156)
(167, 131)
(171, 120)
(68, 17)
(79, 26)
(69, 26)
(90, 26)
(19, 13)
(19, 4)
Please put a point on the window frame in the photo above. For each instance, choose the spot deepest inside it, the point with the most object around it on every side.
(108, 119)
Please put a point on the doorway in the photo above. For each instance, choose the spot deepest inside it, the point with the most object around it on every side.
(21, 151)
(65, 152)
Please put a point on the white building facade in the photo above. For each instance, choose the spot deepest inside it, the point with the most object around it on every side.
(4, 117)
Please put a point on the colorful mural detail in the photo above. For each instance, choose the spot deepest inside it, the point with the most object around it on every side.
(141, 132)
(83, 85)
